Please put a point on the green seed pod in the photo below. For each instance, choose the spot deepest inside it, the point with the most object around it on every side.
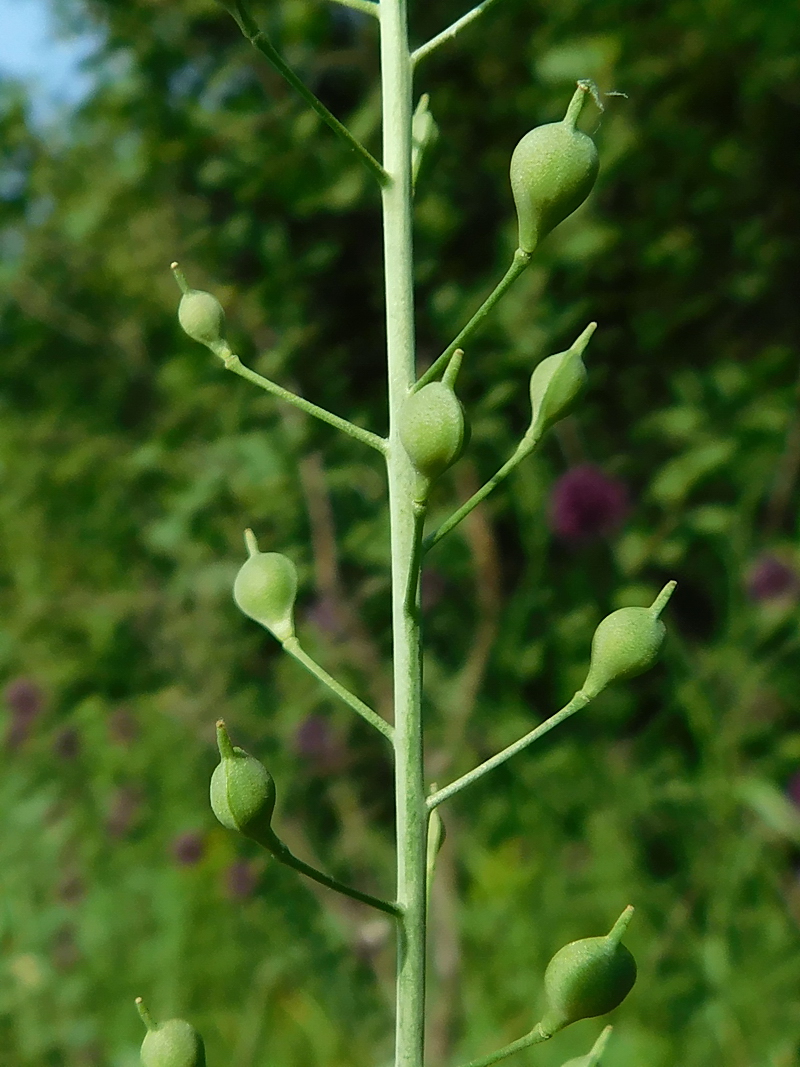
(626, 643)
(200, 314)
(588, 978)
(243, 793)
(266, 588)
(174, 1043)
(553, 169)
(556, 384)
(433, 429)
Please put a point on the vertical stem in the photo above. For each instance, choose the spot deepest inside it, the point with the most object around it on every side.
(409, 788)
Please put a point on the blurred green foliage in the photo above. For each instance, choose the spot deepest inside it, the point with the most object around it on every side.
(130, 464)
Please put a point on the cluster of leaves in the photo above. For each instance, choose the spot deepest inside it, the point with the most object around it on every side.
(130, 464)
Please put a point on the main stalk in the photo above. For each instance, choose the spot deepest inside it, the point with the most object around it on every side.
(409, 785)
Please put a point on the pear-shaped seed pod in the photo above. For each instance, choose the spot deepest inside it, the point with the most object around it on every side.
(266, 588)
(553, 170)
(243, 792)
(432, 429)
(556, 384)
(588, 978)
(174, 1043)
(626, 643)
(201, 317)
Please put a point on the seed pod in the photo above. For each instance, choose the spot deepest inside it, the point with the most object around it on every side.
(553, 169)
(200, 314)
(433, 429)
(626, 643)
(266, 588)
(174, 1043)
(243, 793)
(588, 978)
(556, 384)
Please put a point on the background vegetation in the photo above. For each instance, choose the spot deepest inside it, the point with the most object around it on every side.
(130, 464)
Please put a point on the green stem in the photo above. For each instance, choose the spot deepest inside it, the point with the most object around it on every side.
(259, 40)
(578, 701)
(366, 7)
(518, 264)
(524, 448)
(535, 1037)
(451, 31)
(292, 646)
(285, 856)
(411, 813)
(233, 363)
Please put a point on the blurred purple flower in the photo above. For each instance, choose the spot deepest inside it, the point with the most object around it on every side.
(25, 700)
(325, 614)
(315, 742)
(188, 848)
(585, 504)
(67, 743)
(125, 808)
(241, 879)
(793, 789)
(123, 728)
(769, 578)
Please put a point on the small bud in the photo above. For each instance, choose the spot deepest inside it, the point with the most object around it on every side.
(556, 384)
(432, 425)
(553, 169)
(626, 643)
(174, 1043)
(588, 978)
(266, 588)
(593, 1057)
(243, 793)
(200, 314)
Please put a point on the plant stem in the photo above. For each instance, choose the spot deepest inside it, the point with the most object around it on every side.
(451, 31)
(366, 437)
(292, 646)
(411, 815)
(259, 40)
(580, 700)
(518, 264)
(366, 7)
(535, 1037)
(524, 448)
(289, 860)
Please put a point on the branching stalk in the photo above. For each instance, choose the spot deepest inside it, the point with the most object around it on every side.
(524, 448)
(366, 7)
(518, 264)
(535, 1037)
(366, 437)
(259, 40)
(451, 31)
(578, 701)
(292, 646)
(289, 860)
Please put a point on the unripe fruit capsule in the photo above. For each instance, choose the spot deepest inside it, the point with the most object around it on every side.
(553, 170)
(556, 384)
(626, 643)
(588, 978)
(174, 1043)
(266, 588)
(200, 314)
(243, 793)
(432, 429)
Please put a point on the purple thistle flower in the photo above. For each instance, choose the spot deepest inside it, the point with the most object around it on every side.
(769, 578)
(586, 504)
(188, 848)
